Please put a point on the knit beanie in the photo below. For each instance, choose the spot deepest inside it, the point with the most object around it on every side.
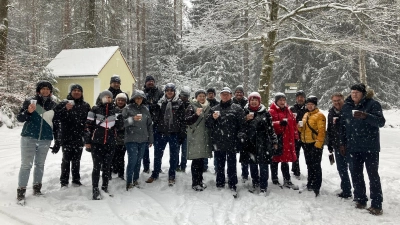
(200, 91)
(211, 90)
(115, 78)
(43, 83)
(359, 87)
(75, 86)
(239, 88)
(148, 78)
(278, 96)
(313, 99)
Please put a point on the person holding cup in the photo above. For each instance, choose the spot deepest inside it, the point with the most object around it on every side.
(285, 128)
(41, 124)
(360, 138)
(138, 135)
(343, 163)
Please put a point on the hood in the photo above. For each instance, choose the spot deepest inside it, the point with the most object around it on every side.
(276, 107)
(369, 95)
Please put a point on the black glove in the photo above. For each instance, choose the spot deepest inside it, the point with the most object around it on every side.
(242, 137)
(283, 122)
(181, 137)
(331, 158)
(56, 147)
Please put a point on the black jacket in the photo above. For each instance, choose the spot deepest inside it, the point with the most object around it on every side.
(120, 129)
(225, 128)
(72, 121)
(213, 102)
(333, 130)
(153, 95)
(178, 112)
(259, 136)
(242, 102)
(300, 110)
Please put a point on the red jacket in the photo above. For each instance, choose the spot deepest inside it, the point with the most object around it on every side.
(289, 132)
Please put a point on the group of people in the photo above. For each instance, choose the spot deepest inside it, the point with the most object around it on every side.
(203, 128)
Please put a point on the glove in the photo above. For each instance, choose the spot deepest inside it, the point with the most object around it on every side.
(331, 158)
(283, 123)
(56, 147)
(343, 150)
(242, 137)
(360, 115)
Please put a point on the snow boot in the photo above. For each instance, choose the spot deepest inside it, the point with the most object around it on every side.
(289, 184)
(36, 189)
(129, 186)
(21, 193)
(76, 183)
(96, 194)
(198, 188)
(375, 211)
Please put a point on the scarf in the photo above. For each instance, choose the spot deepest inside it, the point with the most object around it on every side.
(168, 116)
(204, 105)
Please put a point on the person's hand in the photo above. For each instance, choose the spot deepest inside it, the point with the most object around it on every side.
(360, 115)
(275, 146)
(283, 122)
(137, 118)
(249, 116)
(31, 108)
(88, 147)
(215, 115)
(69, 106)
(56, 147)
(242, 137)
(199, 111)
(343, 150)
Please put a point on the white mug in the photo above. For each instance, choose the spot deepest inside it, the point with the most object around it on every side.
(33, 101)
(139, 115)
(217, 112)
(334, 119)
(353, 111)
(295, 115)
(301, 123)
(285, 119)
(72, 102)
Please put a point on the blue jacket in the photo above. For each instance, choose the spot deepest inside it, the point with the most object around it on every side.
(361, 135)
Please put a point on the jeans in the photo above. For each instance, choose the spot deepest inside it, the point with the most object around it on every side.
(284, 169)
(71, 161)
(118, 162)
(343, 164)
(261, 179)
(135, 154)
(245, 170)
(205, 163)
(371, 161)
(197, 171)
(146, 158)
(313, 160)
(102, 156)
(230, 158)
(296, 164)
(183, 155)
(33, 152)
(160, 142)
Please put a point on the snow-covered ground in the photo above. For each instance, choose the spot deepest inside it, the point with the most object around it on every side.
(157, 203)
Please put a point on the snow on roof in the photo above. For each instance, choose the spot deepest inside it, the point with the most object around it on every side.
(81, 62)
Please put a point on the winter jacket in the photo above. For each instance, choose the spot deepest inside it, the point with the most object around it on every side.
(120, 137)
(317, 121)
(115, 92)
(259, 136)
(300, 110)
(242, 102)
(362, 135)
(153, 95)
(289, 132)
(225, 128)
(178, 112)
(101, 125)
(198, 135)
(333, 130)
(213, 102)
(137, 131)
(72, 121)
(41, 124)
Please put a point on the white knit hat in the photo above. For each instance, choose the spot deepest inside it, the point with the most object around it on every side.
(121, 95)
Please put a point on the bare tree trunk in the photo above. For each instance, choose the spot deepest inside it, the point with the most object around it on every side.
(3, 30)
(91, 27)
(138, 67)
(66, 43)
(33, 27)
(143, 31)
(268, 56)
(362, 66)
(246, 73)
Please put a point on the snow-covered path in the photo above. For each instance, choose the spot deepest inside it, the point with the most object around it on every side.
(157, 203)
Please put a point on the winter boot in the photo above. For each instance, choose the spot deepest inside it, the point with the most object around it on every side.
(96, 194)
(104, 188)
(129, 186)
(76, 183)
(198, 188)
(36, 189)
(375, 211)
(21, 193)
(276, 182)
(289, 184)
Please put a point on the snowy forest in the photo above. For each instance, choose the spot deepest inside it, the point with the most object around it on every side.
(322, 46)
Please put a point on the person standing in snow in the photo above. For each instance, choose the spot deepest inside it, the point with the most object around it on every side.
(298, 109)
(213, 102)
(118, 162)
(100, 140)
(170, 123)
(198, 135)
(182, 139)
(40, 126)
(360, 120)
(115, 87)
(225, 121)
(153, 95)
(259, 142)
(73, 114)
(313, 136)
(286, 130)
(138, 135)
(333, 132)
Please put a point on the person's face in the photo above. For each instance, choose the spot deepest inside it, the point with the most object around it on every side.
(239, 95)
(201, 98)
(184, 98)
(76, 93)
(281, 102)
(106, 99)
(45, 92)
(337, 102)
(150, 84)
(356, 96)
(300, 100)
(115, 85)
(138, 100)
(254, 102)
(169, 93)
(310, 106)
(225, 96)
(210, 95)
(121, 102)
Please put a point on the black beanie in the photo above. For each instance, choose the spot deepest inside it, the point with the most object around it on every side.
(312, 99)
(278, 96)
(301, 93)
(148, 78)
(43, 83)
(75, 86)
(359, 87)
(212, 90)
(239, 88)
(200, 91)
(115, 78)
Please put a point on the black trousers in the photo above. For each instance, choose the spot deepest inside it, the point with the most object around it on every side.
(197, 171)
(102, 156)
(313, 158)
(118, 162)
(71, 160)
(296, 164)
(284, 169)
